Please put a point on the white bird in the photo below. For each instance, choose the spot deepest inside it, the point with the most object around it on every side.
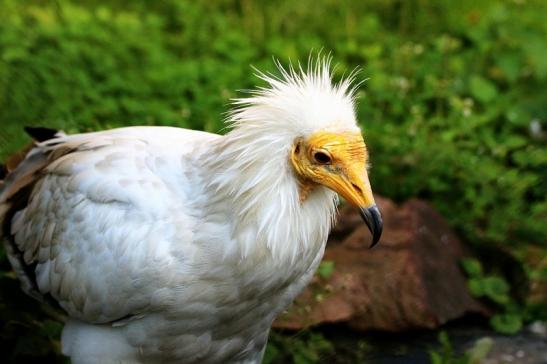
(167, 245)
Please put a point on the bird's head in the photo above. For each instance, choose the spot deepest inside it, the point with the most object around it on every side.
(315, 121)
(337, 160)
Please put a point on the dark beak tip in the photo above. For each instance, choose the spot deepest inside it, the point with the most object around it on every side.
(373, 219)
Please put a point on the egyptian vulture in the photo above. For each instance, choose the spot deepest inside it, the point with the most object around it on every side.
(168, 245)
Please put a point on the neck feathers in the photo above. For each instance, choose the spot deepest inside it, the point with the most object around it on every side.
(250, 175)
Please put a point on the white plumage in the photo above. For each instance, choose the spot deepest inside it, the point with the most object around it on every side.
(171, 245)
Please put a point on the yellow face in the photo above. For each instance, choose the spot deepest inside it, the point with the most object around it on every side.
(335, 160)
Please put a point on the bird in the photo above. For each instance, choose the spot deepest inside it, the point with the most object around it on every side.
(170, 245)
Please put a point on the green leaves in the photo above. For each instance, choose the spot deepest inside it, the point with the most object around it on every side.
(446, 355)
(303, 348)
(507, 323)
(472, 267)
(492, 287)
(326, 268)
(482, 89)
(497, 290)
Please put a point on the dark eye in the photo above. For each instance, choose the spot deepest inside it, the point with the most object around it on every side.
(321, 157)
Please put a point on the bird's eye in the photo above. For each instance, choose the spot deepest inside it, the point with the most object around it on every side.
(321, 157)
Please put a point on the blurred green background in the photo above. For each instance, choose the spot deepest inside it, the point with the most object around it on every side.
(454, 109)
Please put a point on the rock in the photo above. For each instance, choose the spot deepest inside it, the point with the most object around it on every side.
(538, 328)
(523, 348)
(411, 280)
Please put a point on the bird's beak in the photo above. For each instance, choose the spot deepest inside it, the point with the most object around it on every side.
(355, 188)
(373, 219)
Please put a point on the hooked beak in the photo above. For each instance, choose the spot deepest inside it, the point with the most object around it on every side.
(355, 188)
(373, 219)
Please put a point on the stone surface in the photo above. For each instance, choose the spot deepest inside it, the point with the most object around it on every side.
(410, 280)
(527, 347)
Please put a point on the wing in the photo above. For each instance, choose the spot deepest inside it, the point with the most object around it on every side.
(90, 220)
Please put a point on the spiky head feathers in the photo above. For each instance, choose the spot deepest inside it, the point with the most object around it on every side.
(298, 102)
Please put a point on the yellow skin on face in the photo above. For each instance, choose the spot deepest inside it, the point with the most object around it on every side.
(335, 160)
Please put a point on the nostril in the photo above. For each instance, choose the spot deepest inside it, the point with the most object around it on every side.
(357, 188)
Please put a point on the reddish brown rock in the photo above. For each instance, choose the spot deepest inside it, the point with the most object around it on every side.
(410, 280)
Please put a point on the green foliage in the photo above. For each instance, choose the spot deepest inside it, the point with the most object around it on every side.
(446, 354)
(507, 323)
(326, 268)
(472, 267)
(495, 289)
(480, 350)
(304, 348)
(492, 287)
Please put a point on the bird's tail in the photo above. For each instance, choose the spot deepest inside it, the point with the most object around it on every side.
(17, 177)
(38, 134)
